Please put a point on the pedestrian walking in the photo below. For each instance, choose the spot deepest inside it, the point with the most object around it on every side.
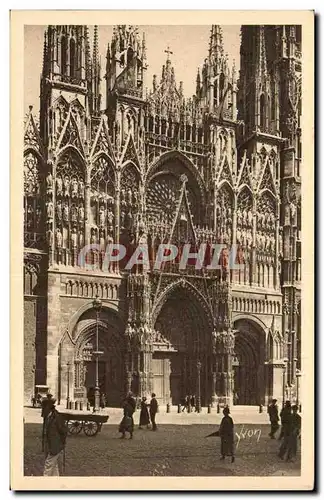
(127, 423)
(285, 418)
(193, 402)
(235, 398)
(294, 434)
(153, 411)
(185, 403)
(274, 418)
(144, 415)
(103, 400)
(226, 433)
(46, 405)
(55, 438)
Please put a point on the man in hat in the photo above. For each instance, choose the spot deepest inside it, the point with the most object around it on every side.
(46, 404)
(55, 437)
(274, 418)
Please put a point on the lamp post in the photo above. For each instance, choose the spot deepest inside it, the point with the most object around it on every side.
(68, 364)
(285, 360)
(298, 375)
(97, 305)
(198, 396)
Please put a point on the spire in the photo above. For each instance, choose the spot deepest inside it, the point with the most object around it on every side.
(261, 53)
(143, 47)
(216, 47)
(95, 57)
(96, 72)
(198, 82)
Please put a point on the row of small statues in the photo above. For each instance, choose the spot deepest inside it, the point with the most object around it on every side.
(66, 187)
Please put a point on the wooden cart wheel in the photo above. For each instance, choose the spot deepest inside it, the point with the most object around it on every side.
(74, 426)
(90, 428)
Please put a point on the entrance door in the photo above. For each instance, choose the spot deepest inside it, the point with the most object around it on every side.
(161, 376)
(167, 373)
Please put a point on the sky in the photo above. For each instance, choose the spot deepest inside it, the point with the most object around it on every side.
(189, 45)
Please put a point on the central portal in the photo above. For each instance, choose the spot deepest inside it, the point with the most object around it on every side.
(183, 340)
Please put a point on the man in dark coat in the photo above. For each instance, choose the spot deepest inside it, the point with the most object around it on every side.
(46, 405)
(294, 434)
(285, 418)
(55, 437)
(153, 411)
(274, 418)
(226, 432)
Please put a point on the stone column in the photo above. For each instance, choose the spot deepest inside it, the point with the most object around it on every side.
(253, 274)
(87, 208)
(52, 372)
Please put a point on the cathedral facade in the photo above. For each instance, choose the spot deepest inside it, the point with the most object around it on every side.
(146, 164)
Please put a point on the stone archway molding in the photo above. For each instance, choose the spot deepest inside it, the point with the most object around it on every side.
(189, 287)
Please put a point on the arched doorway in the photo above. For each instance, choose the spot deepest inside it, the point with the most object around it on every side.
(182, 339)
(249, 368)
(111, 362)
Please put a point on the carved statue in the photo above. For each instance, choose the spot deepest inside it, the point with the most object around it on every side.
(66, 186)
(81, 213)
(250, 217)
(74, 213)
(50, 237)
(59, 211)
(93, 237)
(59, 238)
(74, 239)
(81, 188)
(49, 207)
(102, 216)
(110, 217)
(59, 186)
(66, 212)
(49, 182)
(102, 239)
(74, 185)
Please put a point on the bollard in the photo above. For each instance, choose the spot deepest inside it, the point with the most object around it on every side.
(70, 405)
(218, 408)
(260, 408)
(76, 405)
(88, 406)
(168, 408)
(209, 409)
(81, 405)
(179, 408)
(189, 408)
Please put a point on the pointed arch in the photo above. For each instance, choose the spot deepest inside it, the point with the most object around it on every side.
(182, 284)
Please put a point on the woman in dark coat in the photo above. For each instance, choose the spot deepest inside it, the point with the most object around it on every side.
(144, 415)
(127, 424)
(226, 432)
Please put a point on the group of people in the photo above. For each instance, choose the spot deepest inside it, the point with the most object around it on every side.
(189, 402)
(147, 414)
(290, 428)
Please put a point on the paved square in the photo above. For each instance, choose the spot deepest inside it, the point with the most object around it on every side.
(174, 450)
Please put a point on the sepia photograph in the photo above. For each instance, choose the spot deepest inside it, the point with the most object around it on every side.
(160, 194)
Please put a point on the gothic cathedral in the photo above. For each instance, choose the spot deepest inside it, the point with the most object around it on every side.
(148, 164)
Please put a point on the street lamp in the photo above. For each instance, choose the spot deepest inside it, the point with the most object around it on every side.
(298, 375)
(68, 385)
(97, 305)
(198, 396)
(285, 360)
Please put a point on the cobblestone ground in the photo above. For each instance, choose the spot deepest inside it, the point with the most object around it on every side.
(174, 450)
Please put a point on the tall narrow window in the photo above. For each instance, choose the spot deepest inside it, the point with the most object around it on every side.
(72, 58)
(63, 55)
(262, 112)
(221, 86)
